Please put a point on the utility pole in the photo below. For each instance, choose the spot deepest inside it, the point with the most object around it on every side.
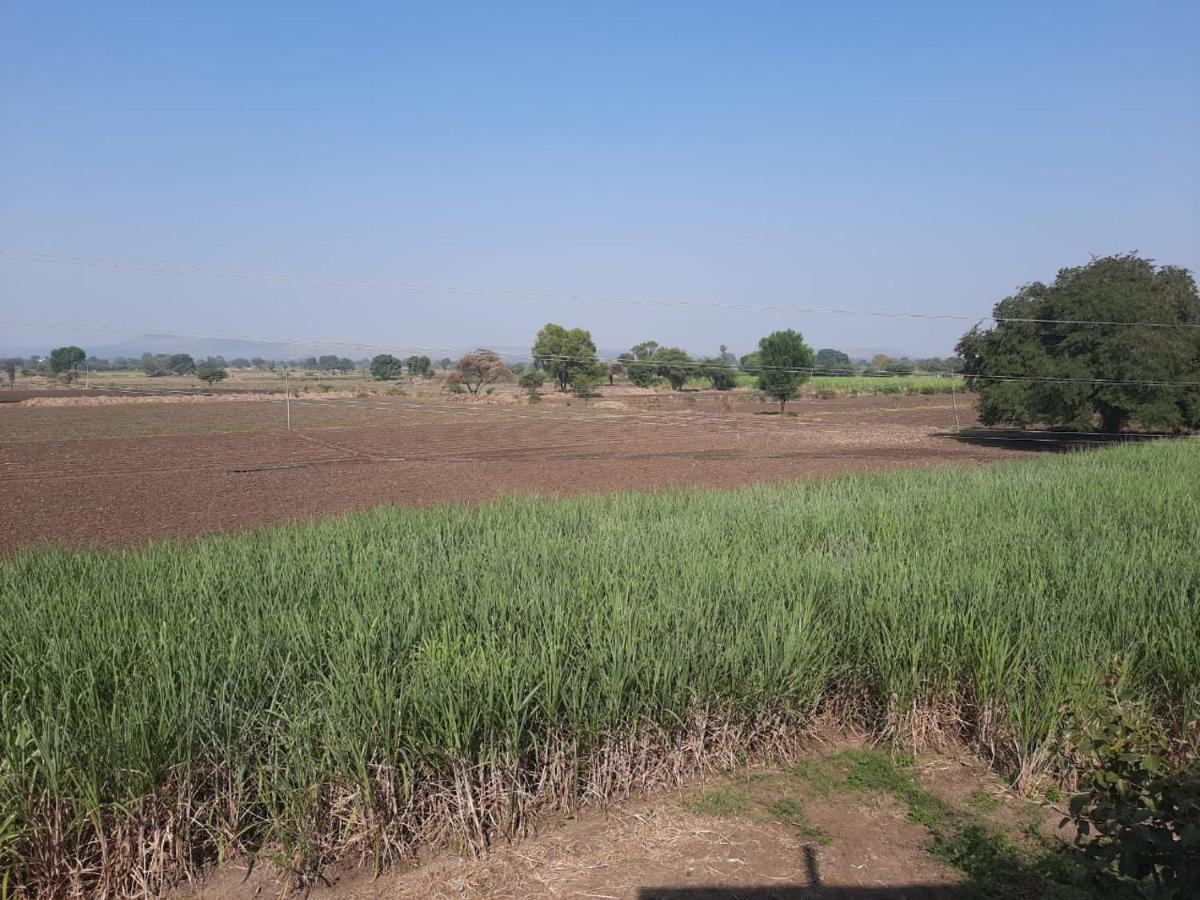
(87, 376)
(287, 396)
(954, 400)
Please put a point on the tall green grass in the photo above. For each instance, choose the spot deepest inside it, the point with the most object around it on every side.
(353, 686)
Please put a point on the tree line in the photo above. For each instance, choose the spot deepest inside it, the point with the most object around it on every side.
(1107, 346)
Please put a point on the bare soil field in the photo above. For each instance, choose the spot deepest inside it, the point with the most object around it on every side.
(130, 473)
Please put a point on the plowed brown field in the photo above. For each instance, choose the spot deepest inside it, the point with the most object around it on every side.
(121, 474)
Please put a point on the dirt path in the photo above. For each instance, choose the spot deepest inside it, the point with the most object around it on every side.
(852, 824)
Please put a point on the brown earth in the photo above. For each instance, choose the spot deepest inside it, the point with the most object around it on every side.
(121, 474)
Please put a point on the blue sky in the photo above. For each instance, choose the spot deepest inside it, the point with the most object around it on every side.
(927, 157)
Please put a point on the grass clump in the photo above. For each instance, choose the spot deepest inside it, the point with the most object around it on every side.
(723, 803)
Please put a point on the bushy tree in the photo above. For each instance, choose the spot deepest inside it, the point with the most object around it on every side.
(180, 364)
(639, 364)
(647, 363)
(211, 375)
(833, 362)
(675, 365)
(386, 367)
(66, 359)
(751, 363)
(10, 370)
(1040, 364)
(476, 369)
(584, 381)
(719, 372)
(420, 366)
(561, 352)
(531, 381)
(781, 354)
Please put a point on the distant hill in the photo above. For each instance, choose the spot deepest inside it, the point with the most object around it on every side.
(169, 343)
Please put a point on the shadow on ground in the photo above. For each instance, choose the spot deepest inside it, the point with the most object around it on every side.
(1039, 441)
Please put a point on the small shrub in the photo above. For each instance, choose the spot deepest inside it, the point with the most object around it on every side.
(1139, 817)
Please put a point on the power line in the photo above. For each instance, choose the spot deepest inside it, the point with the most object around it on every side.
(509, 293)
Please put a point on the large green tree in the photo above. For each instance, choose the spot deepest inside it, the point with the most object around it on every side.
(66, 359)
(1042, 362)
(562, 353)
(781, 355)
(386, 367)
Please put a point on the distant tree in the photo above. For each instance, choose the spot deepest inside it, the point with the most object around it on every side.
(730, 358)
(946, 364)
(674, 365)
(899, 367)
(613, 368)
(1036, 364)
(640, 365)
(560, 353)
(445, 363)
(879, 360)
(479, 368)
(833, 362)
(155, 364)
(531, 381)
(584, 381)
(240, 363)
(328, 363)
(211, 375)
(419, 366)
(310, 363)
(10, 371)
(213, 362)
(258, 362)
(783, 353)
(719, 372)
(386, 367)
(180, 364)
(751, 363)
(66, 359)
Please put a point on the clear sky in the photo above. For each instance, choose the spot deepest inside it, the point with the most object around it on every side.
(926, 157)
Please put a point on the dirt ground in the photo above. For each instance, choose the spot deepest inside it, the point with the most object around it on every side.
(846, 824)
(121, 473)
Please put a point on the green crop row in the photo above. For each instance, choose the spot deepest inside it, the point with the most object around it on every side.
(352, 686)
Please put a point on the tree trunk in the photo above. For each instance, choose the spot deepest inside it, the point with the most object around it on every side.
(782, 401)
(1111, 421)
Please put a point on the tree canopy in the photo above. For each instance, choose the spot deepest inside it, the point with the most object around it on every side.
(477, 369)
(561, 353)
(386, 367)
(419, 366)
(211, 374)
(833, 362)
(780, 354)
(639, 364)
(66, 359)
(1040, 362)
